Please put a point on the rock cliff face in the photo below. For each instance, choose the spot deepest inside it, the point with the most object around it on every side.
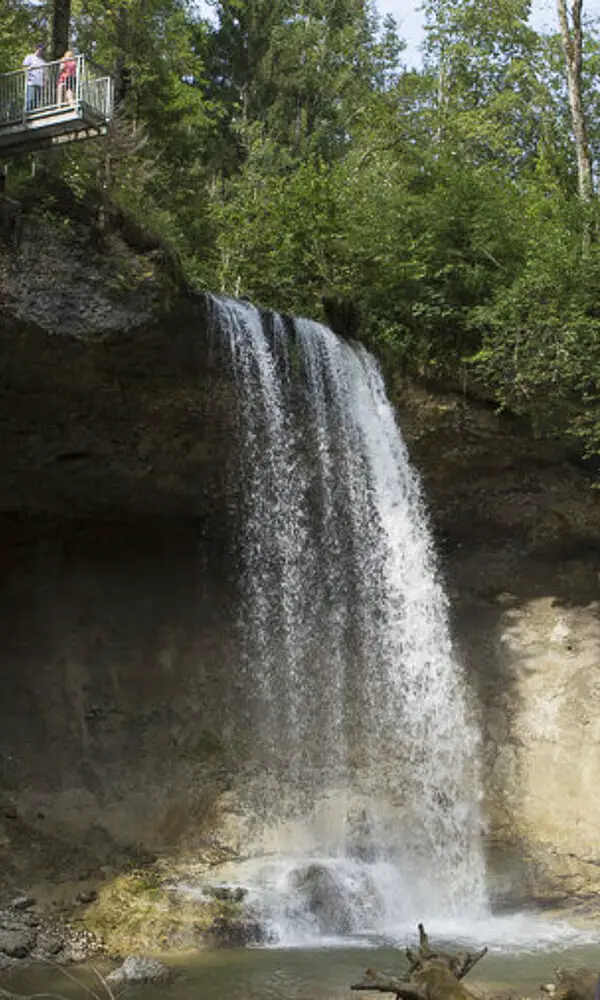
(117, 446)
(115, 438)
(518, 523)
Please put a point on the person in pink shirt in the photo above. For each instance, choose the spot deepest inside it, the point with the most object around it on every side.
(66, 78)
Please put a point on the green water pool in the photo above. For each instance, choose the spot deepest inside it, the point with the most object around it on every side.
(296, 974)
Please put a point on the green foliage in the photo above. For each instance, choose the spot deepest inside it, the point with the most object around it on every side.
(540, 348)
(22, 26)
(283, 152)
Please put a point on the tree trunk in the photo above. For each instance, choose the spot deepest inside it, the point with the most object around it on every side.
(61, 20)
(433, 975)
(572, 43)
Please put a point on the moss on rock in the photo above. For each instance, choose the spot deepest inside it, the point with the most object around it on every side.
(141, 912)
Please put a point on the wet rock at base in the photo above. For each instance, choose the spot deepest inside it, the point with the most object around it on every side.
(81, 945)
(86, 896)
(228, 894)
(140, 969)
(234, 932)
(49, 944)
(325, 898)
(16, 943)
(23, 903)
(7, 964)
(28, 935)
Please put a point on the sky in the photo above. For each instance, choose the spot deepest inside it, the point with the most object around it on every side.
(410, 19)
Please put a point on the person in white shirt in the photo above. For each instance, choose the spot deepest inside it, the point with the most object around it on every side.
(35, 65)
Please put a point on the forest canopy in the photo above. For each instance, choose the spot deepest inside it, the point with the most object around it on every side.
(286, 153)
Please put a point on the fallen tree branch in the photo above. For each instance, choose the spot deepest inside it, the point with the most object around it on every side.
(432, 974)
(465, 962)
(460, 963)
(389, 984)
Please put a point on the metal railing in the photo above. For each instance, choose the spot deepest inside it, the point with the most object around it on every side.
(55, 87)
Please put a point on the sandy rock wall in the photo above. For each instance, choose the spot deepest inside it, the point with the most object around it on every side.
(518, 527)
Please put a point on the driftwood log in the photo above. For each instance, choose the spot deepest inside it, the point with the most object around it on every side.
(575, 984)
(432, 974)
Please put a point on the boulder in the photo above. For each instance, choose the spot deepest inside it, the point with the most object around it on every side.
(23, 902)
(86, 896)
(234, 932)
(16, 943)
(140, 969)
(49, 944)
(6, 963)
(325, 898)
(228, 894)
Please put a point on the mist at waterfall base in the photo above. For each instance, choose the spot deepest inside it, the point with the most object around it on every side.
(360, 798)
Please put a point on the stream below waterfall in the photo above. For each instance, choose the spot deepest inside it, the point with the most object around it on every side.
(308, 974)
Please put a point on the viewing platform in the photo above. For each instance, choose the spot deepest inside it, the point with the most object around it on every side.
(55, 110)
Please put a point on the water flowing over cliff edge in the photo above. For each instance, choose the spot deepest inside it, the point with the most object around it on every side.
(363, 778)
(125, 596)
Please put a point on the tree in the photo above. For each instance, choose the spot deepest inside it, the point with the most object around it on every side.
(296, 71)
(235, 86)
(572, 42)
(61, 20)
(488, 95)
(321, 67)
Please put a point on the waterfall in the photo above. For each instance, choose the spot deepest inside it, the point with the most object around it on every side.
(360, 782)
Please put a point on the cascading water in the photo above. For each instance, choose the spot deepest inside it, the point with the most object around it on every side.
(362, 774)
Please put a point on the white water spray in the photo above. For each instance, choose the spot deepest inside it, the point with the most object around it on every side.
(363, 777)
